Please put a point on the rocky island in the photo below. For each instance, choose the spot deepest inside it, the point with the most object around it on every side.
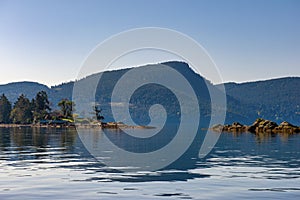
(259, 126)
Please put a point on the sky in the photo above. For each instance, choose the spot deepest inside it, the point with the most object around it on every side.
(47, 41)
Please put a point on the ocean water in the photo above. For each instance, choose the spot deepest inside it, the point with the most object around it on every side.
(45, 163)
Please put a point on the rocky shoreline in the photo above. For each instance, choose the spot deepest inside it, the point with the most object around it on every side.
(110, 125)
(34, 126)
(259, 126)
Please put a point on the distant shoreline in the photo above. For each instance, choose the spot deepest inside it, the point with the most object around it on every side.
(75, 126)
(30, 125)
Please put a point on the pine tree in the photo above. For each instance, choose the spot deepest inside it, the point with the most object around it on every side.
(98, 113)
(41, 106)
(22, 111)
(5, 109)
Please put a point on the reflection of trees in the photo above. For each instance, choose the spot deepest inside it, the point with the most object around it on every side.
(20, 137)
(68, 137)
(4, 138)
(38, 139)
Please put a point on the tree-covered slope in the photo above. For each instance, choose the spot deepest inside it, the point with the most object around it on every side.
(13, 90)
(276, 99)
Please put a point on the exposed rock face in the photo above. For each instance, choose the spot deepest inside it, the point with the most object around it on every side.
(262, 125)
(286, 127)
(259, 126)
(235, 127)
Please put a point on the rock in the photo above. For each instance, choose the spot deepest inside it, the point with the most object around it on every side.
(259, 126)
(285, 123)
(236, 124)
(253, 128)
(226, 127)
(234, 127)
(218, 128)
(262, 125)
(286, 127)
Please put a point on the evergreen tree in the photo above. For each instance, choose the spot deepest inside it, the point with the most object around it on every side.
(22, 111)
(5, 109)
(66, 107)
(41, 106)
(98, 113)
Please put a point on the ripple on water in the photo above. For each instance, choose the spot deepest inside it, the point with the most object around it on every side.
(56, 164)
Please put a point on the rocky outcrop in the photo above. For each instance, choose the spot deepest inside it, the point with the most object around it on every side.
(262, 125)
(259, 126)
(121, 125)
(235, 127)
(286, 127)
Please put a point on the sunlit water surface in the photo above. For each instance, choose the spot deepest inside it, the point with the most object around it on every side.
(41, 163)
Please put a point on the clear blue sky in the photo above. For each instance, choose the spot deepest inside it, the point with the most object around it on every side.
(47, 41)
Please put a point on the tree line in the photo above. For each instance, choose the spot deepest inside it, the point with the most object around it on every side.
(24, 111)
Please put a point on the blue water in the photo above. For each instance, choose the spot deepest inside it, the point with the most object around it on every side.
(38, 163)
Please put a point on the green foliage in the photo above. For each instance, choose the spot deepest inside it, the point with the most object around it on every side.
(98, 112)
(67, 108)
(22, 111)
(5, 109)
(41, 106)
(26, 112)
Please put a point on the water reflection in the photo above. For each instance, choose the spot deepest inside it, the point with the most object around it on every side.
(42, 137)
(264, 137)
(34, 144)
(62, 149)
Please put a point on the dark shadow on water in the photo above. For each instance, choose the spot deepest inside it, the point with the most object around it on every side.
(162, 176)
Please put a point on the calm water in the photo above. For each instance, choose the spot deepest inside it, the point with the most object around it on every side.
(53, 164)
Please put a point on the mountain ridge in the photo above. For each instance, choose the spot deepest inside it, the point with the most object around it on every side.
(275, 99)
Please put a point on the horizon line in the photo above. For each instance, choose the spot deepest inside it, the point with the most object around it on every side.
(143, 65)
(72, 81)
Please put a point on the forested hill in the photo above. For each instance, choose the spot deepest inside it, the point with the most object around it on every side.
(276, 99)
(13, 90)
